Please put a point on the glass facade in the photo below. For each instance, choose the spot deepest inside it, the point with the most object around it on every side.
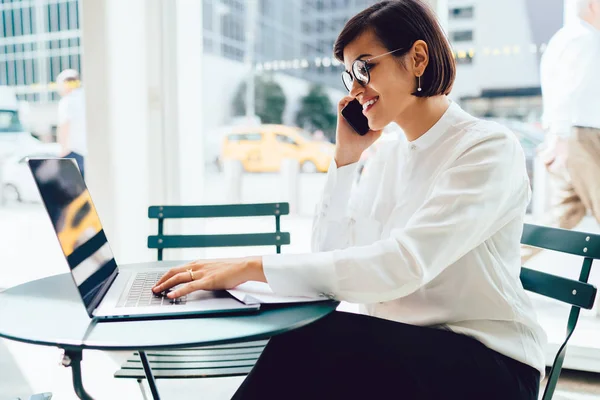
(277, 29)
(322, 21)
(287, 33)
(39, 38)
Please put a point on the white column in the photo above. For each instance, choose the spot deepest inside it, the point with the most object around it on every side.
(144, 123)
(190, 154)
(251, 11)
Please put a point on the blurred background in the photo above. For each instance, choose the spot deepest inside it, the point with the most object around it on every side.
(259, 63)
(222, 101)
(288, 45)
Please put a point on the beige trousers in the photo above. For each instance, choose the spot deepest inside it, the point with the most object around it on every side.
(575, 190)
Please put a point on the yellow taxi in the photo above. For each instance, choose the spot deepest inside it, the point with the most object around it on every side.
(263, 148)
(79, 223)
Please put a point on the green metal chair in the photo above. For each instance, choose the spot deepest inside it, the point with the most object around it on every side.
(578, 293)
(212, 361)
(162, 213)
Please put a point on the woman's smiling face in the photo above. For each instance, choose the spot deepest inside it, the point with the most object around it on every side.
(389, 91)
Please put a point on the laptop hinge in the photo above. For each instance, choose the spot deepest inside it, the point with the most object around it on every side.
(100, 296)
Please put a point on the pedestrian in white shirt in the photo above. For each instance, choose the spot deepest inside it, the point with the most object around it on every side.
(428, 242)
(71, 132)
(570, 80)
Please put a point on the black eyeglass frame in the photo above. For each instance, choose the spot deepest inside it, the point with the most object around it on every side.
(365, 65)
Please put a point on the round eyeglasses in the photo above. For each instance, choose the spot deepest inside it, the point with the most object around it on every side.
(360, 71)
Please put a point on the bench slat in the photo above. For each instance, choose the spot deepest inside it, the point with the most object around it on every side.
(184, 374)
(562, 240)
(180, 359)
(256, 343)
(220, 240)
(191, 364)
(569, 291)
(200, 352)
(219, 210)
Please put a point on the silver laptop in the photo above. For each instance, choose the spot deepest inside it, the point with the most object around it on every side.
(106, 291)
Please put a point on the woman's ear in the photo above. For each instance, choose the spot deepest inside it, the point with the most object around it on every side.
(420, 57)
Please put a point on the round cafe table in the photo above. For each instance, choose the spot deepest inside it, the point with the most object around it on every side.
(50, 312)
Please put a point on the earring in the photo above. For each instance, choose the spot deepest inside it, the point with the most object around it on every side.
(419, 87)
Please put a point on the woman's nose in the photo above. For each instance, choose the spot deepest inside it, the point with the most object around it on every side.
(356, 89)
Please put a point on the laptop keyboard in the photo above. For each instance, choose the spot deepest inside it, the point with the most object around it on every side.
(141, 295)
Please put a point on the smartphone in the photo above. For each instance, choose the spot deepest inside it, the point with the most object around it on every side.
(355, 117)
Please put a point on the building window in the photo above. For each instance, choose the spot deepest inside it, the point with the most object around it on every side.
(461, 36)
(306, 27)
(461, 12)
(7, 25)
(307, 6)
(207, 44)
(320, 25)
(73, 15)
(308, 50)
(207, 15)
(323, 47)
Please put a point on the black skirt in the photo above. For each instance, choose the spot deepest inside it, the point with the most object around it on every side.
(351, 356)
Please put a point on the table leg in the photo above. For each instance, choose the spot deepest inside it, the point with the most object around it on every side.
(149, 376)
(72, 358)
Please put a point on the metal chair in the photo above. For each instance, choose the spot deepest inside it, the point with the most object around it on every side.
(213, 361)
(578, 293)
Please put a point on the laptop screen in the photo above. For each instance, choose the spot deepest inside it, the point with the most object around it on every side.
(77, 226)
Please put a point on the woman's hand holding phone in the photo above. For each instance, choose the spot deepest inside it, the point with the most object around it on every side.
(349, 144)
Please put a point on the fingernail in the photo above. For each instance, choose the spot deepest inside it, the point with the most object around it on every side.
(155, 289)
(171, 295)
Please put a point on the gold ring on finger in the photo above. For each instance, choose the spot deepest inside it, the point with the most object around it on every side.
(191, 274)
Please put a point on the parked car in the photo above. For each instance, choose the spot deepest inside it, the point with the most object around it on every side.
(15, 177)
(262, 148)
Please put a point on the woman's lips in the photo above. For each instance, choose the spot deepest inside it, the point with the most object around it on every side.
(368, 106)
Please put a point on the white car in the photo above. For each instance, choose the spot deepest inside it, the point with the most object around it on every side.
(15, 177)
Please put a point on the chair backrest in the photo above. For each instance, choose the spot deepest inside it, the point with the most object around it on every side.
(578, 293)
(162, 213)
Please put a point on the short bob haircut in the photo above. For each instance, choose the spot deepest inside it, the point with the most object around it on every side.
(398, 24)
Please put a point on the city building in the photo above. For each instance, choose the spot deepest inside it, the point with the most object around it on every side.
(277, 28)
(38, 39)
(322, 21)
(295, 36)
(498, 46)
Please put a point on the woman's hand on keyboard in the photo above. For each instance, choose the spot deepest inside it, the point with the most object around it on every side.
(210, 275)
